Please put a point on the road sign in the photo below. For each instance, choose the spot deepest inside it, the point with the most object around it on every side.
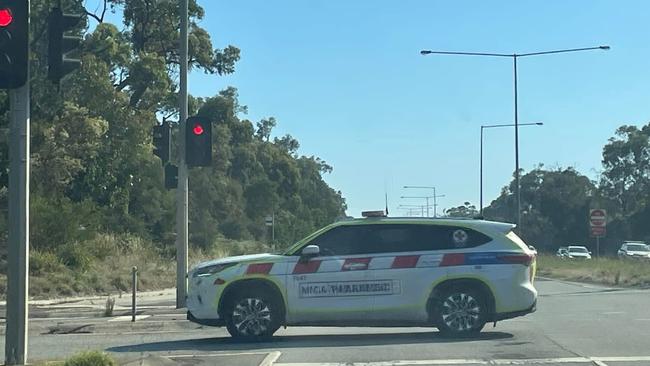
(598, 222)
(268, 220)
(598, 231)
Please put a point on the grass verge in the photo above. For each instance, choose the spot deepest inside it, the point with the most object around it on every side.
(607, 271)
(102, 266)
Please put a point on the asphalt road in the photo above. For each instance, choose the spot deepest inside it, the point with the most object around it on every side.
(575, 325)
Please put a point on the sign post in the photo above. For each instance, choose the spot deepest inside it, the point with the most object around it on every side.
(598, 226)
(269, 220)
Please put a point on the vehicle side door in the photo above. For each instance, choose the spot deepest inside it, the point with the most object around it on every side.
(333, 286)
(414, 257)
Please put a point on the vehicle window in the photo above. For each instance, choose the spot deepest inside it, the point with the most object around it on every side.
(638, 247)
(341, 240)
(578, 250)
(412, 238)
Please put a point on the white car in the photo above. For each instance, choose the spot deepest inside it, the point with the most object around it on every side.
(634, 250)
(456, 275)
(577, 252)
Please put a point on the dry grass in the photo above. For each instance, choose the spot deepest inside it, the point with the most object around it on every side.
(102, 266)
(608, 271)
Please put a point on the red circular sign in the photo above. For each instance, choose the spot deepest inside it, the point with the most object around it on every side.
(5, 17)
(198, 129)
(597, 217)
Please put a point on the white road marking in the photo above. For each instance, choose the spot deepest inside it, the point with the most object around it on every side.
(598, 361)
(127, 318)
(613, 312)
(622, 359)
(270, 359)
(221, 354)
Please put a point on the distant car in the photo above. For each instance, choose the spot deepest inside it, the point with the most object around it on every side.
(562, 252)
(532, 249)
(578, 252)
(634, 250)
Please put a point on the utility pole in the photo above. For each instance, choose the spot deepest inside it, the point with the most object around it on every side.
(435, 198)
(435, 201)
(18, 248)
(182, 190)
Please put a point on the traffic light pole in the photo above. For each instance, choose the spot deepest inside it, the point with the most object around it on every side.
(182, 190)
(18, 248)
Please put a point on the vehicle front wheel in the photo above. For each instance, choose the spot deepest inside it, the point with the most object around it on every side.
(461, 312)
(253, 315)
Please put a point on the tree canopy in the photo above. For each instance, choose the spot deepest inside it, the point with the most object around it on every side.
(93, 170)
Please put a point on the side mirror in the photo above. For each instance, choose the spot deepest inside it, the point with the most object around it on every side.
(310, 251)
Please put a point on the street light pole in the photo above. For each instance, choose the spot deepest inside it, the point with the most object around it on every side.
(514, 56)
(182, 190)
(518, 187)
(481, 157)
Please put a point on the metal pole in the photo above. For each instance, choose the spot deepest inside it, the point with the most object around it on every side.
(134, 281)
(435, 203)
(428, 204)
(598, 246)
(481, 176)
(18, 246)
(182, 191)
(273, 230)
(518, 187)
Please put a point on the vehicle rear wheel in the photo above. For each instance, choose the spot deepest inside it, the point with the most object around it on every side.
(253, 315)
(461, 312)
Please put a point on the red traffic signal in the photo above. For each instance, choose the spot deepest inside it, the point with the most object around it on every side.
(14, 43)
(5, 17)
(197, 129)
(198, 141)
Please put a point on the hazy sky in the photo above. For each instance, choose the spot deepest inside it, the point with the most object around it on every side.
(346, 79)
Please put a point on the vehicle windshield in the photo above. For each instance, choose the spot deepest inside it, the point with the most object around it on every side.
(638, 247)
(578, 250)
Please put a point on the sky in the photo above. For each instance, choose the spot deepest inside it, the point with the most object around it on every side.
(347, 80)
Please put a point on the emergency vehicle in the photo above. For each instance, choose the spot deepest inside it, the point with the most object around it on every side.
(453, 274)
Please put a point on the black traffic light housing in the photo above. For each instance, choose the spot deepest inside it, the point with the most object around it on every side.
(14, 43)
(171, 176)
(59, 45)
(162, 141)
(198, 142)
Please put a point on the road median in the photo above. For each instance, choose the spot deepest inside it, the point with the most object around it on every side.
(604, 271)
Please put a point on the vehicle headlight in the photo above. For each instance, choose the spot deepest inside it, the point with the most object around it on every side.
(210, 270)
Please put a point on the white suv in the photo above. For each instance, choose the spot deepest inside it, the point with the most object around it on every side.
(455, 275)
(634, 250)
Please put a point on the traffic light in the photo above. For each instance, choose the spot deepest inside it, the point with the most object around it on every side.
(171, 176)
(198, 142)
(60, 45)
(162, 141)
(14, 43)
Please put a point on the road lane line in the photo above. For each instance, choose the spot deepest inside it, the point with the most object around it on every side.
(598, 361)
(270, 359)
(224, 354)
(622, 358)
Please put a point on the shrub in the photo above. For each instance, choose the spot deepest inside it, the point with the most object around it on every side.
(90, 358)
(75, 256)
(41, 262)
